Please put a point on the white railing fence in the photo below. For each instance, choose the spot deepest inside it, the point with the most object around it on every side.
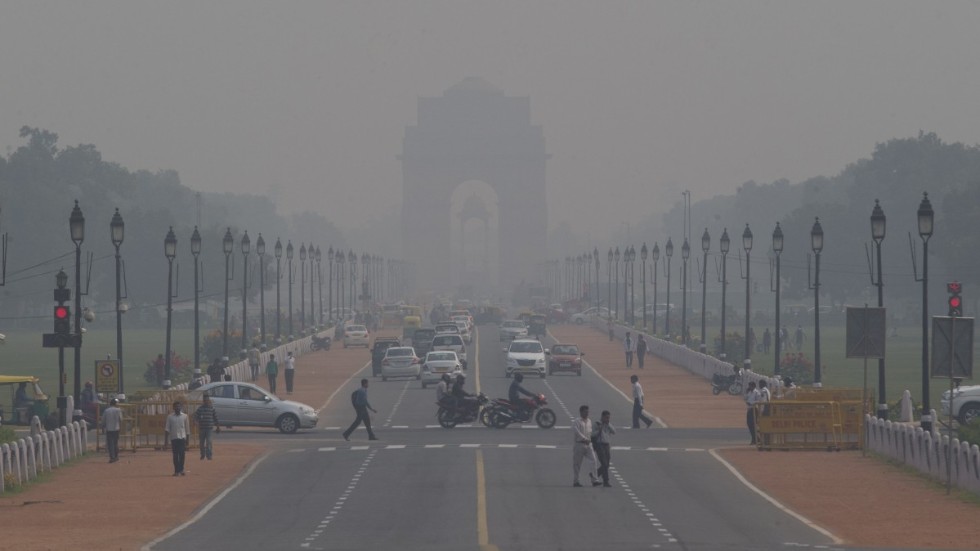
(23, 460)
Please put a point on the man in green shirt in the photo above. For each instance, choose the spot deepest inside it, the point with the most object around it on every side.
(272, 370)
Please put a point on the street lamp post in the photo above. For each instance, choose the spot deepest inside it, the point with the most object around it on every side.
(655, 256)
(925, 219)
(289, 269)
(643, 277)
(277, 250)
(302, 288)
(632, 285)
(312, 255)
(816, 243)
(747, 245)
(260, 250)
(116, 232)
(626, 280)
(330, 283)
(76, 226)
(777, 251)
(724, 246)
(685, 255)
(364, 278)
(170, 251)
(227, 244)
(616, 256)
(352, 262)
(319, 281)
(609, 267)
(246, 248)
(340, 257)
(669, 251)
(196, 251)
(595, 256)
(878, 235)
(705, 247)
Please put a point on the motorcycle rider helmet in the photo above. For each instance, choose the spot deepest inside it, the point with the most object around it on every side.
(518, 377)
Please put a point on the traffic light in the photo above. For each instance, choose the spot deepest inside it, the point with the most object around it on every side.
(955, 301)
(62, 320)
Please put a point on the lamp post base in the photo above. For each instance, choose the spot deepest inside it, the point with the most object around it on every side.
(166, 384)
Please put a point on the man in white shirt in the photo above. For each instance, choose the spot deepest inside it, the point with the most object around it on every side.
(638, 404)
(290, 371)
(176, 431)
(112, 423)
(752, 397)
(582, 429)
(629, 347)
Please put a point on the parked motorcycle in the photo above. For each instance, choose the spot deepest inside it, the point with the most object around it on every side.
(504, 413)
(464, 411)
(320, 343)
(732, 383)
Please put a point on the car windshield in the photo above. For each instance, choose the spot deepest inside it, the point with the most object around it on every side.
(400, 352)
(526, 347)
(517, 324)
(440, 356)
(564, 349)
(446, 340)
(356, 328)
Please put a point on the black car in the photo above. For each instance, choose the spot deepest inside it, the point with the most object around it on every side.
(378, 350)
(422, 341)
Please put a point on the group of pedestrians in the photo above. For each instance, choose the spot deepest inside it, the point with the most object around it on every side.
(272, 372)
(756, 394)
(592, 443)
(782, 333)
(631, 347)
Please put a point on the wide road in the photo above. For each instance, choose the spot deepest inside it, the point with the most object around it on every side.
(424, 487)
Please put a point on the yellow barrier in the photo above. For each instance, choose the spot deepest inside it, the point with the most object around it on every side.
(808, 423)
(143, 422)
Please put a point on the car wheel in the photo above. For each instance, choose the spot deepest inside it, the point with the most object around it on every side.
(969, 412)
(287, 423)
(423, 386)
(543, 375)
(383, 378)
(579, 372)
(579, 321)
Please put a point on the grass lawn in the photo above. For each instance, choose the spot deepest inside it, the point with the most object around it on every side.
(22, 354)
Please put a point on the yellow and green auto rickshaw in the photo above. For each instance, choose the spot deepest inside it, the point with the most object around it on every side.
(537, 325)
(409, 325)
(24, 399)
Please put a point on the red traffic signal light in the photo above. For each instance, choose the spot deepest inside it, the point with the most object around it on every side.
(955, 301)
(62, 320)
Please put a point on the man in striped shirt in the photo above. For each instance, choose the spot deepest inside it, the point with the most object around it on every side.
(207, 422)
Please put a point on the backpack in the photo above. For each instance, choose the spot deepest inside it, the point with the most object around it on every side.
(353, 398)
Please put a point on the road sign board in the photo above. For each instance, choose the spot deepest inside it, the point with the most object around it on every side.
(865, 333)
(107, 376)
(952, 345)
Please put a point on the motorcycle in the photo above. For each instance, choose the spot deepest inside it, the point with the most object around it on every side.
(320, 343)
(732, 383)
(464, 411)
(504, 413)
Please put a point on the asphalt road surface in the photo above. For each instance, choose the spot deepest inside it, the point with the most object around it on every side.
(428, 488)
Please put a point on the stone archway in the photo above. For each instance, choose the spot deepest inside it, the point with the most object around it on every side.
(473, 132)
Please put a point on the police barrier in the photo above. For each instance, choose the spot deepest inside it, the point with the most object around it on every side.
(814, 419)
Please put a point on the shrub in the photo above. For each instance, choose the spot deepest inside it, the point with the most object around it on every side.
(797, 367)
(970, 432)
(7, 435)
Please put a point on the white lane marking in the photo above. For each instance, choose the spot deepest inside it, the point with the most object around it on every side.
(770, 499)
(658, 420)
(558, 399)
(503, 446)
(469, 445)
(360, 448)
(204, 510)
(327, 449)
(400, 426)
(435, 445)
(620, 448)
(546, 447)
(506, 445)
(397, 403)
(296, 450)
(694, 449)
(339, 505)
(344, 385)
(395, 447)
(654, 521)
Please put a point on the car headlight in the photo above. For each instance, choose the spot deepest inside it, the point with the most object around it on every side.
(540, 361)
(511, 362)
(308, 411)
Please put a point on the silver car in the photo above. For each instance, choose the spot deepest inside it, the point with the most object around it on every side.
(247, 405)
(438, 363)
(400, 361)
(512, 329)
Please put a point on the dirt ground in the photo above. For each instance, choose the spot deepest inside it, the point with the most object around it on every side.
(863, 501)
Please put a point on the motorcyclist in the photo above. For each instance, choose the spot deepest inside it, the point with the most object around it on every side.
(442, 389)
(459, 394)
(515, 391)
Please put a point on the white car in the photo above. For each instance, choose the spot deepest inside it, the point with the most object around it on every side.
(593, 313)
(526, 356)
(447, 327)
(356, 335)
(241, 404)
(464, 331)
(451, 342)
(400, 361)
(966, 403)
(438, 363)
(512, 329)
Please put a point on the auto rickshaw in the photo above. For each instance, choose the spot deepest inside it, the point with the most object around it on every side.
(537, 325)
(409, 325)
(525, 316)
(26, 399)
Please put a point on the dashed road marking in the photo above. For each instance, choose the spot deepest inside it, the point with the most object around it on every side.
(341, 500)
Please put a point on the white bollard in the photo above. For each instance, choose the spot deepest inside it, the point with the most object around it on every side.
(905, 415)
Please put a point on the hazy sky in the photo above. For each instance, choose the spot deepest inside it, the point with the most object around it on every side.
(308, 101)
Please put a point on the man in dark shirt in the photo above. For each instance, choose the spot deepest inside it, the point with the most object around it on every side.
(361, 406)
(514, 394)
(207, 422)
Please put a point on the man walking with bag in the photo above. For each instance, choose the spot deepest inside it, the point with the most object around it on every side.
(600, 441)
(361, 405)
